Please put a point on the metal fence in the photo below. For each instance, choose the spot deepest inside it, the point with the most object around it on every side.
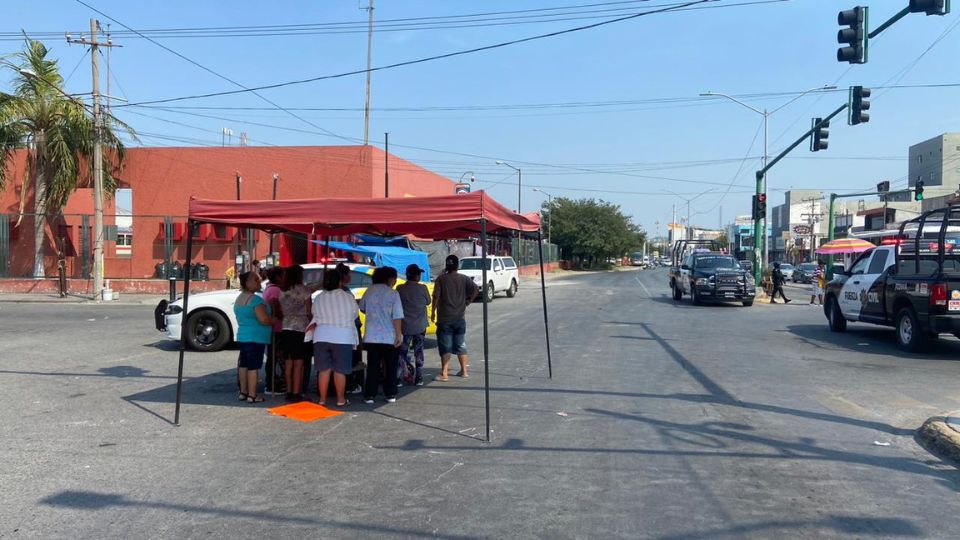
(527, 253)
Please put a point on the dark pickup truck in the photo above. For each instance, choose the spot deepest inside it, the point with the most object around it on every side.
(913, 285)
(709, 276)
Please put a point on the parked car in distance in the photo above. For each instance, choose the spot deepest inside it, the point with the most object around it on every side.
(638, 259)
(804, 273)
(787, 270)
(502, 274)
(211, 324)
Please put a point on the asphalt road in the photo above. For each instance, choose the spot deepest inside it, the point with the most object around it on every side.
(663, 420)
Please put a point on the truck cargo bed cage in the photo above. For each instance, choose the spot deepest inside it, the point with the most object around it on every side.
(681, 247)
(915, 241)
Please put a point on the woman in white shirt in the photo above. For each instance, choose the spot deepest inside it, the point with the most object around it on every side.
(334, 336)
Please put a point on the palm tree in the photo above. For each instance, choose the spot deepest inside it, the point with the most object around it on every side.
(58, 136)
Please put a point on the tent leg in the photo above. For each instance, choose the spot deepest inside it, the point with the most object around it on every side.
(183, 319)
(486, 334)
(543, 292)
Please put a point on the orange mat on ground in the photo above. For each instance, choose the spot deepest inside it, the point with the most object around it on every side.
(304, 411)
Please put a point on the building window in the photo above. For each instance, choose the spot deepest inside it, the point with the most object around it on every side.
(920, 159)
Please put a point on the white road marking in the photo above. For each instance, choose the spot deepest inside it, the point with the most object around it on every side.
(642, 286)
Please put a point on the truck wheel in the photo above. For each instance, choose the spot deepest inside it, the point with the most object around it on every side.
(835, 316)
(747, 303)
(695, 296)
(512, 291)
(207, 331)
(677, 293)
(489, 292)
(909, 335)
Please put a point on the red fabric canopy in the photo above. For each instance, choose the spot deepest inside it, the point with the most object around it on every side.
(454, 216)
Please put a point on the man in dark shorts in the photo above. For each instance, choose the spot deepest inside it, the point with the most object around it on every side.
(452, 293)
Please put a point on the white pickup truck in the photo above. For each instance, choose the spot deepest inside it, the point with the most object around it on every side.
(502, 274)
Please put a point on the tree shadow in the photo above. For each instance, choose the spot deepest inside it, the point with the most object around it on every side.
(94, 501)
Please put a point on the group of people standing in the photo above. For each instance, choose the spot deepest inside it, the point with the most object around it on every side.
(290, 323)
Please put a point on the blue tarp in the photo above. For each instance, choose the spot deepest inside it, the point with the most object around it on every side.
(394, 257)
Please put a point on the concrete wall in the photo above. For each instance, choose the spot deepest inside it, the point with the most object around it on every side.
(937, 162)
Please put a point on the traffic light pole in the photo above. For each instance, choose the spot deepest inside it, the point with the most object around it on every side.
(758, 234)
(832, 219)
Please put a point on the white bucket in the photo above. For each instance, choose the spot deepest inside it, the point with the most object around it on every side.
(107, 295)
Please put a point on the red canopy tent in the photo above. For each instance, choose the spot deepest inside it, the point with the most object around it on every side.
(447, 217)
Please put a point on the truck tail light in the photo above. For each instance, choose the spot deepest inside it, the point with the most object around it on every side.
(938, 295)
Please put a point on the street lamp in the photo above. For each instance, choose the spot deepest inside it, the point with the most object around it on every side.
(550, 219)
(519, 180)
(760, 231)
(97, 178)
(472, 178)
(689, 231)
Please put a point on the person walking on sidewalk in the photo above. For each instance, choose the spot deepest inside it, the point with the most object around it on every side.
(778, 281)
(817, 283)
(452, 293)
(415, 298)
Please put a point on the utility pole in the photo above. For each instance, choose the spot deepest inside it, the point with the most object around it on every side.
(366, 107)
(97, 155)
(276, 177)
(673, 225)
(386, 165)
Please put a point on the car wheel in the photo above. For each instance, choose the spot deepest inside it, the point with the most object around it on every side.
(207, 331)
(834, 316)
(695, 296)
(909, 335)
(512, 291)
(747, 303)
(677, 293)
(489, 292)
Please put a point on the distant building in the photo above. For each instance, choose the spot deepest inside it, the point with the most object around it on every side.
(800, 220)
(936, 162)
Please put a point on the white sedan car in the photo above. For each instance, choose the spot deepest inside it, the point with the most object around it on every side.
(212, 325)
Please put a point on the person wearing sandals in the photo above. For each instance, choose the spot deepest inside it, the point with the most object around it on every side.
(334, 336)
(382, 334)
(452, 293)
(255, 326)
(295, 303)
(415, 298)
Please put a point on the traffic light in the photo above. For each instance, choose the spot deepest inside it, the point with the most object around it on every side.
(883, 187)
(818, 139)
(918, 191)
(930, 7)
(858, 105)
(759, 206)
(854, 35)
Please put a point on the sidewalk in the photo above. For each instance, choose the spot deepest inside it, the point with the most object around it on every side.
(43, 298)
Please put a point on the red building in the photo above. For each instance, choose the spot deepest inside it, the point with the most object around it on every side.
(162, 180)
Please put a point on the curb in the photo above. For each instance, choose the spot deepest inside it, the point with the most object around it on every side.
(940, 438)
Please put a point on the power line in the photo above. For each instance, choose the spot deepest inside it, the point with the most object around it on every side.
(448, 55)
(208, 70)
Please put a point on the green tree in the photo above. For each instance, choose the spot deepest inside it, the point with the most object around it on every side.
(58, 136)
(590, 231)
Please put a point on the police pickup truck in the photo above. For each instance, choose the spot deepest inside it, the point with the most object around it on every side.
(709, 276)
(912, 286)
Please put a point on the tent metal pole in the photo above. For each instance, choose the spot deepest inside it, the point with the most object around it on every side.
(543, 291)
(486, 334)
(183, 319)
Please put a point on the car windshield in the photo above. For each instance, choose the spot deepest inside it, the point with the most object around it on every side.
(808, 267)
(472, 264)
(717, 262)
(786, 266)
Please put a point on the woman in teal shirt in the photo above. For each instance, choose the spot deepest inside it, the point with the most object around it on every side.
(255, 323)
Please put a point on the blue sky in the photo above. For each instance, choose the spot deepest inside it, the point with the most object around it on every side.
(632, 154)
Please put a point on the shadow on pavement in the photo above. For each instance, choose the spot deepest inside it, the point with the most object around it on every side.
(870, 339)
(847, 525)
(94, 501)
